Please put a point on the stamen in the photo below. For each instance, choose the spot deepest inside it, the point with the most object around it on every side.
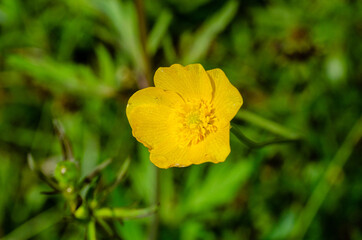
(197, 120)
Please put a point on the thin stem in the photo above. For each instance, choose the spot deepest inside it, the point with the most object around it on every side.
(65, 144)
(266, 124)
(105, 226)
(91, 231)
(121, 173)
(251, 144)
(153, 231)
(143, 35)
(95, 172)
(329, 178)
(147, 72)
(36, 225)
(124, 213)
(41, 175)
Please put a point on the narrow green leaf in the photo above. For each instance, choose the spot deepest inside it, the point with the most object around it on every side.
(124, 213)
(66, 147)
(121, 173)
(324, 186)
(35, 225)
(169, 49)
(41, 175)
(31, 162)
(65, 78)
(106, 227)
(266, 124)
(158, 31)
(208, 32)
(122, 16)
(204, 193)
(95, 172)
(106, 67)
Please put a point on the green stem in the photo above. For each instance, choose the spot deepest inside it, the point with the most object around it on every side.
(147, 72)
(251, 144)
(143, 35)
(124, 213)
(95, 173)
(120, 175)
(266, 124)
(64, 142)
(153, 231)
(105, 226)
(35, 225)
(329, 178)
(41, 175)
(92, 230)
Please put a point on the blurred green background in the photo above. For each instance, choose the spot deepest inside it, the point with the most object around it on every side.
(296, 63)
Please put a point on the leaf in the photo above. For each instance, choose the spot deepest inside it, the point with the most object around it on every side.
(251, 144)
(66, 147)
(122, 16)
(120, 175)
(208, 32)
(266, 124)
(142, 174)
(158, 31)
(64, 78)
(91, 152)
(169, 49)
(124, 213)
(221, 178)
(106, 66)
(41, 175)
(95, 172)
(36, 225)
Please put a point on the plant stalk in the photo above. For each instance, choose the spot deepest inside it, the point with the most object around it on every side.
(143, 34)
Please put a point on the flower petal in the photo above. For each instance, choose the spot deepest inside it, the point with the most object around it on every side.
(215, 148)
(150, 112)
(191, 82)
(227, 99)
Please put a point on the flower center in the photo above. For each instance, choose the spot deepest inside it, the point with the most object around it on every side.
(197, 120)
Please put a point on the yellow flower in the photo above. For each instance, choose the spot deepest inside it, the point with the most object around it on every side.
(186, 118)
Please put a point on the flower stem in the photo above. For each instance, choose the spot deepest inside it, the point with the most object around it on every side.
(143, 35)
(124, 213)
(91, 231)
(153, 231)
(266, 124)
(147, 72)
(251, 144)
(105, 226)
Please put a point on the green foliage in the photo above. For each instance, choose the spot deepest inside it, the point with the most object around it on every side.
(198, 45)
(296, 63)
(66, 173)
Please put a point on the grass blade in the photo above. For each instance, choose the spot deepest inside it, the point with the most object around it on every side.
(208, 32)
(158, 32)
(35, 225)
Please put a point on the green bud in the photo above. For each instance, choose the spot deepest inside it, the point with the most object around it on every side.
(82, 213)
(67, 174)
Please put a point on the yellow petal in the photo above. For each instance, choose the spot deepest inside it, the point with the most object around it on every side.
(215, 148)
(150, 112)
(227, 99)
(191, 82)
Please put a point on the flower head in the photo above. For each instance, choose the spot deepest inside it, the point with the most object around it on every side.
(185, 118)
